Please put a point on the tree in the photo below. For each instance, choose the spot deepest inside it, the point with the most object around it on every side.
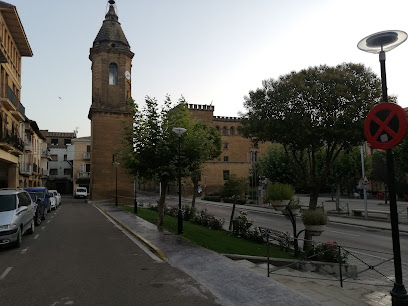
(346, 171)
(151, 147)
(314, 113)
(203, 143)
(236, 188)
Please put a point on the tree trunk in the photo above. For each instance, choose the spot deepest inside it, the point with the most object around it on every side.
(338, 197)
(307, 244)
(161, 203)
(314, 195)
(232, 214)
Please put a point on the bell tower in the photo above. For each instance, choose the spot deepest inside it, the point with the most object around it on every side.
(111, 89)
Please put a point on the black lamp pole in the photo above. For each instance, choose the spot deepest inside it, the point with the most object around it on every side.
(180, 215)
(116, 181)
(135, 201)
(398, 292)
(179, 131)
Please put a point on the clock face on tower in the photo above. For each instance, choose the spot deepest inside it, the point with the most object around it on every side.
(127, 75)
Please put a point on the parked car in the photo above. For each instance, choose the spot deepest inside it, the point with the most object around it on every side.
(56, 195)
(42, 193)
(53, 201)
(80, 192)
(40, 210)
(17, 212)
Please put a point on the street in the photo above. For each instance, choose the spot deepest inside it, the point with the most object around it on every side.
(77, 256)
(374, 240)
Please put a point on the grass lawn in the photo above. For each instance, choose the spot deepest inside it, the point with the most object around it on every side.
(218, 241)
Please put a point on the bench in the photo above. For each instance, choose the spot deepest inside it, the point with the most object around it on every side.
(282, 238)
(361, 213)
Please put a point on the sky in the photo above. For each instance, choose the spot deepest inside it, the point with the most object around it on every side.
(210, 52)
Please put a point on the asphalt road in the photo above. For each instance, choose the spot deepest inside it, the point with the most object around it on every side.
(77, 256)
(367, 240)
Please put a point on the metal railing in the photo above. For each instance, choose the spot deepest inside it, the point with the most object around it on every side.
(370, 267)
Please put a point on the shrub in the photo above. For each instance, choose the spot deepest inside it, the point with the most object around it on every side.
(230, 200)
(314, 217)
(202, 218)
(327, 252)
(241, 225)
(279, 192)
(212, 198)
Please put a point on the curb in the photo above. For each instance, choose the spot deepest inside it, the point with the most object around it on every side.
(155, 250)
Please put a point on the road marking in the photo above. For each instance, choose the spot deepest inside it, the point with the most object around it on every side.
(36, 236)
(48, 221)
(343, 233)
(5, 273)
(43, 227)
(23, 251)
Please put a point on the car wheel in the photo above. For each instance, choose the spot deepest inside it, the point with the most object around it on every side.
(38, 219)
(17, 243)
(32, 227)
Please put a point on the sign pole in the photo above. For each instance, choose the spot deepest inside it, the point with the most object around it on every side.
(398, 292)
(363, 184)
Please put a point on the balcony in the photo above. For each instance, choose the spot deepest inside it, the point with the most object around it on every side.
(28, 145)
(26, 169)
(11, 143)
(45, 153)
(11, 103)
(44, 173)
(87, 155)
(82, 174)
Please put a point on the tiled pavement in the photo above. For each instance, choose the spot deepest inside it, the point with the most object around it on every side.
(244, 283)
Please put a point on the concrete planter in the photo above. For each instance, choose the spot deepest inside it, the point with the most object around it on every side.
(280, 205)
(315, 230)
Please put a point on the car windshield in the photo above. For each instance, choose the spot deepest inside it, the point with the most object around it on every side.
(81, 189)
(33, 196)
(7, 202)
(40, 194)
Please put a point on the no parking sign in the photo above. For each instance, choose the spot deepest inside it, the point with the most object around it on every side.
(386, 125)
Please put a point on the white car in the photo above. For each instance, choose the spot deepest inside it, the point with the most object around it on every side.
(57, 196)
(80, 192)
(17, 212)
(53, 201)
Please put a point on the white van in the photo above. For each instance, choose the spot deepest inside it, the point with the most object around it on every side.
(80, 192)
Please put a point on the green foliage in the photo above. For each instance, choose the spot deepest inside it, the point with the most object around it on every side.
(314, 217)
(279, 192)
(346, 169)
(239, 201)
(327, 252)
(242, 228)
(213, 198)
(151, 148)
(277, 165)
(235, 187)
(219, 241)
(314, 114)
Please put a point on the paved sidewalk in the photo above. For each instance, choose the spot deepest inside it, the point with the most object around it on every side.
(229, 281)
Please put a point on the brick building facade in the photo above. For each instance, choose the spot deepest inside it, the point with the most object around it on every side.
(111, 88)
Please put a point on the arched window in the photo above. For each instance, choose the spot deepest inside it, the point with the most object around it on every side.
(232, 131)
(224, 131)
(113, 74)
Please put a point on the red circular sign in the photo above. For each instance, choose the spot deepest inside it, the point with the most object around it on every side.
(386, 125)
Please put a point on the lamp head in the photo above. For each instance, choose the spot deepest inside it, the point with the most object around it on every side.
(179, 131)
(382, 41)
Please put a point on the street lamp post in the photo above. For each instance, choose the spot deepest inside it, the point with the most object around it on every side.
(379, 43)
(116, 182)
(135, 201)
(179, 131)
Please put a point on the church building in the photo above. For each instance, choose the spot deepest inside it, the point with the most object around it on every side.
(111, 89)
